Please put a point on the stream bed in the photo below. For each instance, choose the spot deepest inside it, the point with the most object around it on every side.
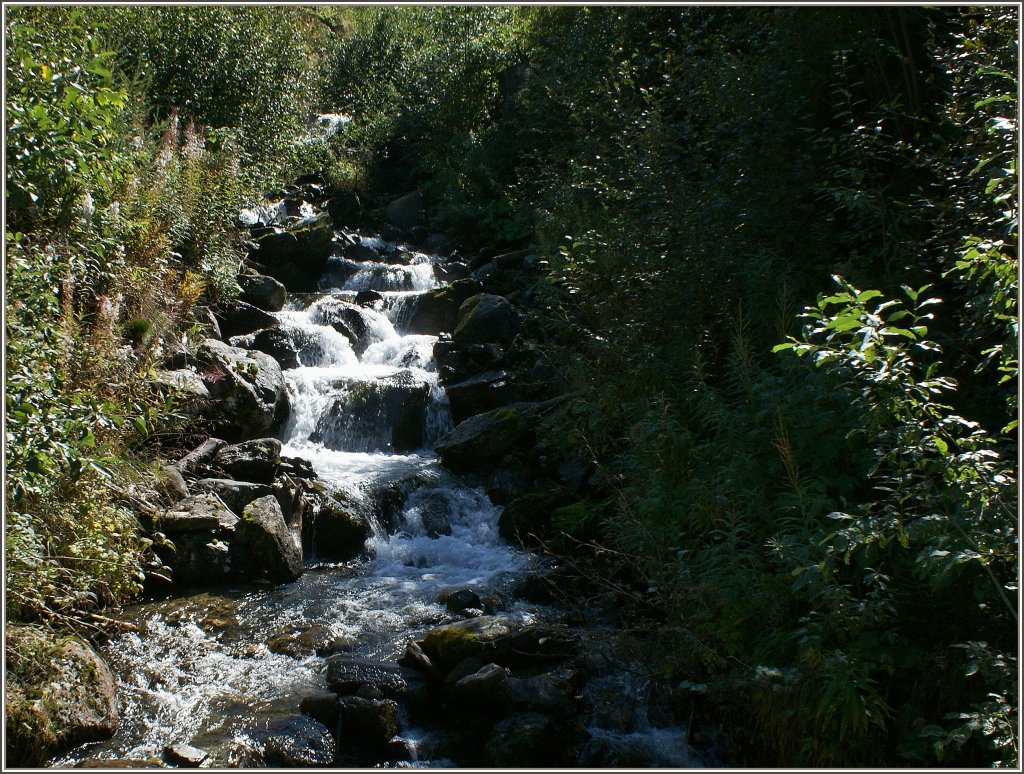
(214, 668)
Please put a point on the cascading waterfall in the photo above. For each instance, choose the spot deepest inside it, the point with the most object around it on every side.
(216, 669)
(199, 670)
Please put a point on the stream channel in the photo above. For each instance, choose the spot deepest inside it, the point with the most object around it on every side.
(198, 671)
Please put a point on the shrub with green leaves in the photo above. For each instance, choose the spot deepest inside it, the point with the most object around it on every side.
(66, 118)
(250, 69)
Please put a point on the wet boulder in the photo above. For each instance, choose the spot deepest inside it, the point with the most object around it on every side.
(350, 674)
(366, 722)
(438, 310)
(307, 640)
(480, 688)
(527, 739)
(267, 537)
(183, 755)
(359, 324)
(429, 509)
(58, 693)
(416, 658)
(480, 393)
(235, 494)
(386, 414)
(263, 292)
(369, 298)
(276, 343)
(247, 387)
(243, 318)
(460, 600)
(474, 638)
(486, 318)
(471, 601)
(333, 528)
(256, 461)
(323, 706)
(197, 513)
(292, 743)
(360, 251)
(297, 258)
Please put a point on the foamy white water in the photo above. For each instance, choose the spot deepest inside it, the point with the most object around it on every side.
(199, 670)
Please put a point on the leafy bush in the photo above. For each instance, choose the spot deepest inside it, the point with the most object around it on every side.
(125, 234)
(825, 537)
(65, 117)
(246, 68)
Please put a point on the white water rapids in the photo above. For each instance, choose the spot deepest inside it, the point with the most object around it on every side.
(199, 672)
(202, 669)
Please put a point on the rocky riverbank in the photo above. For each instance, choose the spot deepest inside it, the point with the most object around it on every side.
(491, 685)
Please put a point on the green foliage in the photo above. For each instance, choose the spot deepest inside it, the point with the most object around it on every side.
(940, 533)
(423, 88)
(123, 234)
(248, 68)
(65, 116)
(844, 529)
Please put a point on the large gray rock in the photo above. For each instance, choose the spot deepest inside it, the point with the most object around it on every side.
(235, 494)
(297, 258)
(58, 693)
(207, 558)
(354, 322)
(406, 212)
(187, 388)
(266, 535)
(289, 743)
(486, 438)
(349, 674)
(256, 461)
(198, 512)
(276, 343)
(243, 318)
(368, 722)
(247, 387)
(385, 414)
(485, 318)
(438, 310)
(480, 688)
(499, 640)
(333, 528)
(263, 292)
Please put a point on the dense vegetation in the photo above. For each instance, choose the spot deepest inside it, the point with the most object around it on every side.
(823, 503)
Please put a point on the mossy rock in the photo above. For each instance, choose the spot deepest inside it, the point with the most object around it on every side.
(448, 645)
(59, 694)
